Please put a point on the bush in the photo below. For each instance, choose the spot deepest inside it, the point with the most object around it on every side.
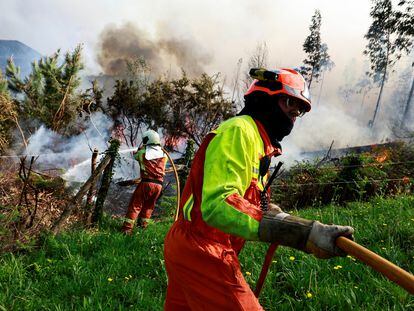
(382, 171)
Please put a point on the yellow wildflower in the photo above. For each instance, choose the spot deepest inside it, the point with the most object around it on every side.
(337, 267)
(309, 295)
(248, 273)
(274, 261)
(110, 280)
(291, 258)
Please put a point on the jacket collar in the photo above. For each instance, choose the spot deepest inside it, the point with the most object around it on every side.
(270, 150)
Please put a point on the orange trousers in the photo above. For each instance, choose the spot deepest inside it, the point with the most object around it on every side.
(203, 274)
(142, 203)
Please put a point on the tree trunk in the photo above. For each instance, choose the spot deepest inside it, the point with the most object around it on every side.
(106, 181)
(407, 105)
(57, 226)
(384, 77)
(320, 89)
(311, 78)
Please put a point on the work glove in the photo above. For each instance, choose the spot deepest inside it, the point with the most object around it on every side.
(273, 209)
(321, 241)
(302, 234)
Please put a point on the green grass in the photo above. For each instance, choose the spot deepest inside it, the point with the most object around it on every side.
(104, 270)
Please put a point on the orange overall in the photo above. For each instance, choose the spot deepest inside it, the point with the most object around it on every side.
(219, 210)
(147, 192)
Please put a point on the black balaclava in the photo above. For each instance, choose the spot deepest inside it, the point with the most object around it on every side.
(266, 110)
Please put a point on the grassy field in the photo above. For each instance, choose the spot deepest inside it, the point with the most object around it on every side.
(104, 270)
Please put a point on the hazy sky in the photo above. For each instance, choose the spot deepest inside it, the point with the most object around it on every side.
(227, 30)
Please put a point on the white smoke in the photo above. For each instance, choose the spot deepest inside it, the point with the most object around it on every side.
(72, 156)
(326, 124)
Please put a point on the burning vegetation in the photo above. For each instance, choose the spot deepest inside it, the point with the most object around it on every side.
(381, 171)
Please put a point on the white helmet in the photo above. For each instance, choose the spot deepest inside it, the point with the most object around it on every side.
(151, 137)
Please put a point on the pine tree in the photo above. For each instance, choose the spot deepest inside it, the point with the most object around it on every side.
(8, 113)
(9, 116)
(318, 59)
(49, 92)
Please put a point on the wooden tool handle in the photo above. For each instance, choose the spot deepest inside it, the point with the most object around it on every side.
(383, 266)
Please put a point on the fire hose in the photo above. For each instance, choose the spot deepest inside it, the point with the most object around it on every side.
(378, 263)
(177, 180)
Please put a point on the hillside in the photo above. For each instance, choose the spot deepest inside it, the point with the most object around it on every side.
(22, 54)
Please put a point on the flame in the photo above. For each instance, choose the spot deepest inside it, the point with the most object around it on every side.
(382, 156)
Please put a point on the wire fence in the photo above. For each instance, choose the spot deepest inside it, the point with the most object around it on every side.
(405, 179)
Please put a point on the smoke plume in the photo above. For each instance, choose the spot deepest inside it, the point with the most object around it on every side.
(117, 45)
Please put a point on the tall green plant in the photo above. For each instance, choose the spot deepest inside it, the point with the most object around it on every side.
(318, 58)
(49, 92)
(385, 45)
(190, 108)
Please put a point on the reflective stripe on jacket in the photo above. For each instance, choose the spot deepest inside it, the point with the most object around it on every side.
(221, 197)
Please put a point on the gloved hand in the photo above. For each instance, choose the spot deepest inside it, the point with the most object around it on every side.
(321, 241)
(299, 233)
(273, 210)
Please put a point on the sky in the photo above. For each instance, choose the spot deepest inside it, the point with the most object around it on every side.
(226, 30)
(215, 35)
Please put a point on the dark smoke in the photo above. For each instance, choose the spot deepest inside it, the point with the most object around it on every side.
(126, 43)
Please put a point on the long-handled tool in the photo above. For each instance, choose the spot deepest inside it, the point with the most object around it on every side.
(378, 263)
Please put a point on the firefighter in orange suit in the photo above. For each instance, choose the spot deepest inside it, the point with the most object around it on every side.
(152, 161)
(220, 207)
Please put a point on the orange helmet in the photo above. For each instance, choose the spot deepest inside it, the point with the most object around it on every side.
(280, 81)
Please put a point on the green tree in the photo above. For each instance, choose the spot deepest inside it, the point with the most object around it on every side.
(127, 106)
(49, 92)
(318, 59)
(8, 113)
(405, 33)
(187, 108)
(383, 48)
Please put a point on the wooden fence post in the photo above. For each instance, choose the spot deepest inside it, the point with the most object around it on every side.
(106, 181)
(91, 192)
(77, 199)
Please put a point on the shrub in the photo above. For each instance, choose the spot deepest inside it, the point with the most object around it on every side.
(381, 171)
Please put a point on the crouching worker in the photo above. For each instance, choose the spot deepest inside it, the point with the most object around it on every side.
(220, 206)
(152, 161)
